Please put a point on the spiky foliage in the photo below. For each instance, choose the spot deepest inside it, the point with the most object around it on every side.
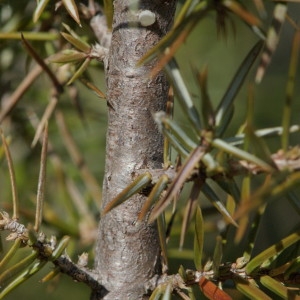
(242, 175)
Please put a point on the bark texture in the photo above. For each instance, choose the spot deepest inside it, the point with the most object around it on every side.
(127, 255)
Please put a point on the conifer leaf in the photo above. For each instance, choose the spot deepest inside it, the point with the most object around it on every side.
(243, 221)
(229, 185)
(256, 144)
(287, 111)
(230, 204)
(94, 88)
(222, 145)
(32, 36)
(218, 254)
(44, 120)
(39, 9)
(186, 9)
(191, 293)
(158, 292)
(133, 188)
(60, 248)
(214, 199)
(174, 134)
(190, 209)
(291, 181)
(237, 81)
(156, 191)
(14, 270)
(71, 31)
(53, 273)
(77, 42)
(292, 267)
(211, 164)
(171, 136)
(72, 9)
(183, 94)
(206, 107)
(178, 182)
(68, 56)
(23, 276)
(259, 147)
(183, 152)
(241, 12)
(274, 187)
(267, 256)
(276, 287)
(180, 135)
(198, 239)
(260, 8)
(167, 293)
(80, 70)
(239, 139)
(272, 39)
(162, 239)
(224, 123)
(10, 253)
(108, 11)
(250, 290)
(182, 272)
(33, 235)
(169, 112)
(168, 45)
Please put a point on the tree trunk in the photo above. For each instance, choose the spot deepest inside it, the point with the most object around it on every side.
(127, 255)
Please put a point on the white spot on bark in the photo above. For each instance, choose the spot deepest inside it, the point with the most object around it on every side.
(147, 18)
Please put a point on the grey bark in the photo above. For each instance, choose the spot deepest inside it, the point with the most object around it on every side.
(127, 255)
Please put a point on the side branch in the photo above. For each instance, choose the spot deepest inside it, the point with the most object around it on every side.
(235, 167)
(49, 251)
(80, 274)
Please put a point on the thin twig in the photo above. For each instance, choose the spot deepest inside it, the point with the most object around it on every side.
(42, 181)
(80, 274)
(12, 177)
(43, 65)
(45, 118)
(15, 97)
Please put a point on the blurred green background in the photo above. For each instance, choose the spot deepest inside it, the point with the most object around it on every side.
(204, 47)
